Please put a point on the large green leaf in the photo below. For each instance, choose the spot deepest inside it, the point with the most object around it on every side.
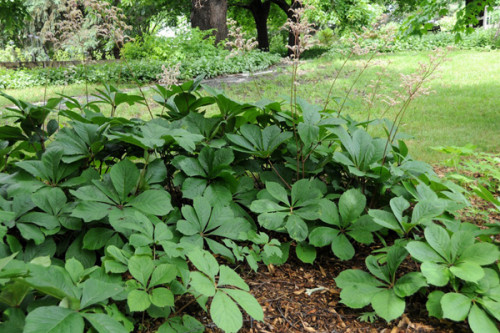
(358, 287)
(480, 254)
(423, 252)
(398, 206)
(163, 273)
(96, 238)
(155, 202)
(387, 305)
(54, 281)
(351, 204)
(385, 219)
(50, 199)
(433, 304)
(91, 211)
(307, 192)
(162, 297)
(204, 261)
(225, 313)
(322, 236)
(409, 284)
(104, 324)
(480, 322)
(202, 284)
(124, 176)
(266, 206)
(468, 271)
(342, 247)
(329, 213)
(455, 306)
(247, 302)
(53, 319)
(138, 300)
(278, 192)
(305, 252)
(141, 268)
(95, 291)
(436, 274)
(439, 239)
(297, 228)
(228, 277)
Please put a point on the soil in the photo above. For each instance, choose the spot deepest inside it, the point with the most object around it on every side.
(298, 297)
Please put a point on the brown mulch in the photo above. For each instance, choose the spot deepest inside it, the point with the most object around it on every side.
(298, 297)
(292, 303)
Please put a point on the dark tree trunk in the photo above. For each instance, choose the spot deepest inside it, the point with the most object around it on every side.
(288, 10)
(260, 12)
(116, 52)
(210, 14)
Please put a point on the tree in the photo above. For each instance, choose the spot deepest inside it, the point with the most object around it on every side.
(13, 15)
(210, 14)
(260, 10)
(147, 16)
(260, 13)
(468, 16)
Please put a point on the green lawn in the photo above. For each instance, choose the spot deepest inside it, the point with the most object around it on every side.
(464, 109)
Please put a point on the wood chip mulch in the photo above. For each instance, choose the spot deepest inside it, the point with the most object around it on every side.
(298, 297)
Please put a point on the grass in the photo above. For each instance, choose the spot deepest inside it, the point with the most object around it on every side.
(464, 109)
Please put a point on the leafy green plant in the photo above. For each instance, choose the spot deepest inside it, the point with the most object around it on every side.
(114, 224)
(203, 222)
(279, 212)
(224, 306)
(350, 224)
(478, 302)
(445, 258)
(382, 288)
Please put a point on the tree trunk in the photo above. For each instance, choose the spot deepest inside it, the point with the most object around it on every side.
(210, 14)
(260, 12)
(288, 10)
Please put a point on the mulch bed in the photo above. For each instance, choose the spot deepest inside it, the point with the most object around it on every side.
(298, 297)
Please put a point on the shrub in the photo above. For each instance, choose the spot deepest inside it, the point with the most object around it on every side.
(480, 39)
(142, 70)
(107, 217)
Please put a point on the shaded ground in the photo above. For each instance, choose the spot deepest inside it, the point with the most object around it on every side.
(298, 297)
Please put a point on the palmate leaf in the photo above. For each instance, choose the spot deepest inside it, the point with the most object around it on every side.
(54, 281)
(204, 262)
(161, 297)
(228, 277)
(257, 141)
(358, 287)
(296, 227)
(436, 274)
